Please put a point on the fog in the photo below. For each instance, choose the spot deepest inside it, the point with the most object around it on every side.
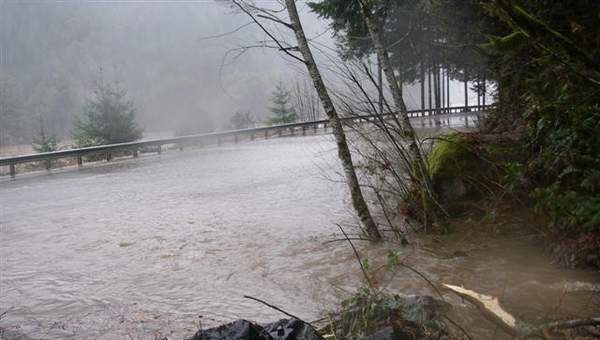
(175, 58)
(186, 65)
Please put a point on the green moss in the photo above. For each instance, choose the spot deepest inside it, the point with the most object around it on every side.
(457, 170)
(451, 157)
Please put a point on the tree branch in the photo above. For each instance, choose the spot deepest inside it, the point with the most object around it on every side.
(262, 27)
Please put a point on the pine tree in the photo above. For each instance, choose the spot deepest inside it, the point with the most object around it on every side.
(108, 118)
(282, 111)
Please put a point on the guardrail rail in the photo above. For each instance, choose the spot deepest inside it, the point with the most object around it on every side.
(214, 137)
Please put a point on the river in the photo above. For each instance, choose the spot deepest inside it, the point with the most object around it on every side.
(152, 247)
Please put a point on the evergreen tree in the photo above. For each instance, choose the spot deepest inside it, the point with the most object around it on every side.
(108, 118)
(43, 142)
(282, 111)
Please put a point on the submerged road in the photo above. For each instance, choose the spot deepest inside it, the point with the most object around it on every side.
(173, 236)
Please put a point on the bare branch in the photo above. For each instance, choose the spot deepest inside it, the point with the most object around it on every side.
(227, 33)
(277, 20)
(262, 27)
(276, 308)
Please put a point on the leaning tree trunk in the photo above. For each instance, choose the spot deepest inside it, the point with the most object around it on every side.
(358, 201)
(420, 169)
(377, 39)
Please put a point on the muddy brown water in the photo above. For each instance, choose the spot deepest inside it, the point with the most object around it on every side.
(152, 247)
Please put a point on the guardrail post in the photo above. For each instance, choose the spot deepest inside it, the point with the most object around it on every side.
(79, 160)
(292, 131)
(12, 170)
(135, 152)
(279, 132)
(303, 130)
(315, 127)
(159, 150)
(325, 127)
(108, 156)
(266, 134)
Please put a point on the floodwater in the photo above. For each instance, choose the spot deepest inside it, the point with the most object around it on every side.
(153, 247)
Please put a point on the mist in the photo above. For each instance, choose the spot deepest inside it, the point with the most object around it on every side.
(186, 65)
(182, 63)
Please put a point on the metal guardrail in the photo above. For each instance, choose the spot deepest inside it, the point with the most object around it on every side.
(135, 147)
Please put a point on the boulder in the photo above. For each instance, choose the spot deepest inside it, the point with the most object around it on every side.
(285, 329)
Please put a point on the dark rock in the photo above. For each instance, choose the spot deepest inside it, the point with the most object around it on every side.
(285, 329)
(452, 188)
(292, 329)
(422, 308)
(237, 330)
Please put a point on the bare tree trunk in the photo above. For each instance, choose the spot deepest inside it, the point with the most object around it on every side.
(429, 86)
(436, 90)
(478, 95)
(448, 88)
(466, 86)
(377, 39)
(380, 83)
(484, 91)
(358, 201)
(443, 88)
(422, 87)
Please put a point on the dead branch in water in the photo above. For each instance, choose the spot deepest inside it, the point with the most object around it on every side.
(346, 240)
(275, 308)
(490, 308)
